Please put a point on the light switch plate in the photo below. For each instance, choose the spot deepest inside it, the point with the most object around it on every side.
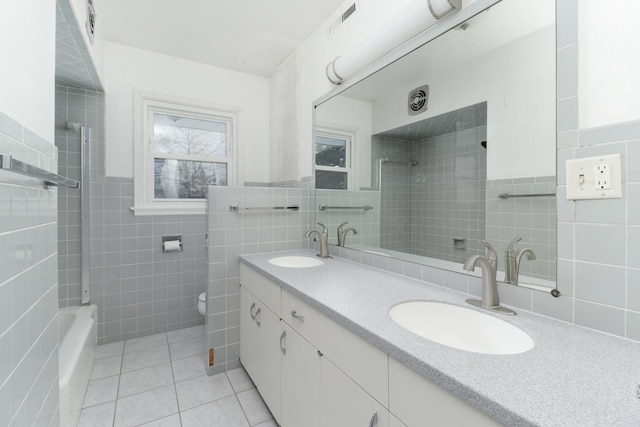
(582, 176)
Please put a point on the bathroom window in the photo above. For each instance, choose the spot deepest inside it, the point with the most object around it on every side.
(333, 160)
(183, 149)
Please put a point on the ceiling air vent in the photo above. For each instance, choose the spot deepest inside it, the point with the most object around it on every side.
(419, 100)
(91, 20)
(347, 13)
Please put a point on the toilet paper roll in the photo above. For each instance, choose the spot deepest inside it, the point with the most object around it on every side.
(171, 245)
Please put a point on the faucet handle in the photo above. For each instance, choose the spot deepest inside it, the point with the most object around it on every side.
(492, 256)
(512, 244)
(342, 225)
(325, 231)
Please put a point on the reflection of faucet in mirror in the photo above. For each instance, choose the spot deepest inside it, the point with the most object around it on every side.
(323, 237)
(488, 264)
(530, 256)
(512, 260)
(342, 233)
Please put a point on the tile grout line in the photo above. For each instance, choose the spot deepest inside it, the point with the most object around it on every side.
(239, 403)
(173, 376)
(122, 353)
(115, 406)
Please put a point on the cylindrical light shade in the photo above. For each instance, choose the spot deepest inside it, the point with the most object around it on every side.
(399, 29)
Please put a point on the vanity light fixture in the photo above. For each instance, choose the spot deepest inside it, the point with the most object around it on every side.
(399, 29)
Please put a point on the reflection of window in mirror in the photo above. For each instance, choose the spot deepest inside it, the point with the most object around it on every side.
(334, 168)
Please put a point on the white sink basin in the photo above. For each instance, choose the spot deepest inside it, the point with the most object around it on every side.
(461, 328)
(296, 261)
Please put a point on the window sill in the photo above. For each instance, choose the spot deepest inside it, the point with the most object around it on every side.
(169, 210)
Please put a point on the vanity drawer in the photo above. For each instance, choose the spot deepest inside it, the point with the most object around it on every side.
(362, 362)
(303, 318)
(264, 289)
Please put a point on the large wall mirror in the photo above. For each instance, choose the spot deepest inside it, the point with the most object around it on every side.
(452, 144)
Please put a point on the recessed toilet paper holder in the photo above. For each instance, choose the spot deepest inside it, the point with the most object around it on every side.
(172, 243)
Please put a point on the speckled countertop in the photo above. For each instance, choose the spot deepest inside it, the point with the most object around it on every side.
(572, 377)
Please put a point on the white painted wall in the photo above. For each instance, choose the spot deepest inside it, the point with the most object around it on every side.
(27, 43)
(96, 49)
(312, 58)
(128, 68)
(285, 114)
(609, 61)
(520, 94)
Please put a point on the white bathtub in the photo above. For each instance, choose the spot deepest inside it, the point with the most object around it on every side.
(77, 333)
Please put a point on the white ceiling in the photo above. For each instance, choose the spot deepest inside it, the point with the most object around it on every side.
(251, 36)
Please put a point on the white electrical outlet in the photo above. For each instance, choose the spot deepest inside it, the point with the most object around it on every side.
(602, 176)
(594, 178)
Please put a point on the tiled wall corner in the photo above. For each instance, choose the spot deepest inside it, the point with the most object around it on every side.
(74, 65)
(232, 234)
(28, 286)
(448, 197)
(138, 289)
(85, 107)
(141, 290)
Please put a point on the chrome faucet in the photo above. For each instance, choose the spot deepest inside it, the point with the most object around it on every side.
(342, 233)
(512, 260)
(488, 264)
(323, 237)
(530, 256)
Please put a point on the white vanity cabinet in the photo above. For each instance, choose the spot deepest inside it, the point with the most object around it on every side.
(300, 380)
(414, 400)
(345, 403)
(259, 350)
(394, 422)
(313, 372)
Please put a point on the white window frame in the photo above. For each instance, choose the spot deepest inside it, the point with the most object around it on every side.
(145, 105)
(350, 169)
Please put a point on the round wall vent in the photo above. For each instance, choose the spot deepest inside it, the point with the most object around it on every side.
(419, 100)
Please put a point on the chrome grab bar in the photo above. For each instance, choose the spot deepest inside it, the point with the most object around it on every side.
(236, 208)
(8, 163)
(364, 208)
(512, 196)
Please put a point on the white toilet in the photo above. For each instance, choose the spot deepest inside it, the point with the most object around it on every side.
(202, 303)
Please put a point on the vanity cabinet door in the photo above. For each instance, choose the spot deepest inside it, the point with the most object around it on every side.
(300, 380)
(344, 404)
(414, 400)
(259, 348)
(360, 360)
(394, 422)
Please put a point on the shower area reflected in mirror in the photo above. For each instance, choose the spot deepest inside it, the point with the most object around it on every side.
(433, 180)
